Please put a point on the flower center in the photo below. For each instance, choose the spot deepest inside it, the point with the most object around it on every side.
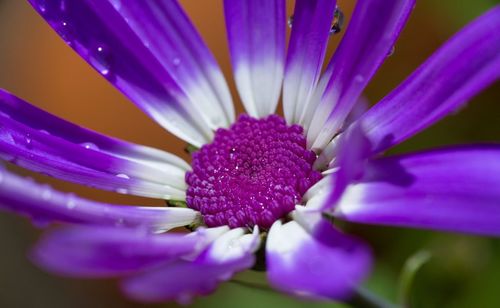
(253, 173)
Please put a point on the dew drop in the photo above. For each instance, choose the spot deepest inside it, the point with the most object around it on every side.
(28, 142)
(46, 193)
(71, 202)
(391, 51)
(41, 6)
(290, 21)
(119, 222)
(359, 78)
(89, 146)
(122, 191)
(176, 61)
(123, 176)
(64, 30)
(99, 58)
(337, 22)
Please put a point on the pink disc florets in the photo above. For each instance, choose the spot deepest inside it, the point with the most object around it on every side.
(253, 173)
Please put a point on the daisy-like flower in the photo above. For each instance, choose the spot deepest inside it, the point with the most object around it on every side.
(261, 190)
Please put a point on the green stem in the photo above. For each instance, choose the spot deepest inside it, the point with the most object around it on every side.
(363, 298)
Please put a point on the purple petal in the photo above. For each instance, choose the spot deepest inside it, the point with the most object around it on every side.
(256, 35)
(455, 189)
(44, 205)
(37, 140)
(354, 150)
(182, 280)
(108, 252)
(329, 266)
(306, 51)
(152, 54)
(346, 160)
(375, 26)
(461, 68)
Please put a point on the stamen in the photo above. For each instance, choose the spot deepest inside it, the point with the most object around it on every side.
(253, 173)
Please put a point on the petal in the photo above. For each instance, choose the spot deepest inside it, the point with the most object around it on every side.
(233, 246)
(256, 34)
(174, 41)
(153, 55)
(375, 26)
(453, 189)
(109, 252)
(328, 267)
(37, 140)
(461, 68)
(45, 205)
(348, 158)
(182, 280)
(306, 51)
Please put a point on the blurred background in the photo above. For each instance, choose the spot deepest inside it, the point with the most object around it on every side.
(37, 66)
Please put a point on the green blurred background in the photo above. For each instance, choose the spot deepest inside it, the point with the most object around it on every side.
(36, 65)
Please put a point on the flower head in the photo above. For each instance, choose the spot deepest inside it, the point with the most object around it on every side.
(260, 184)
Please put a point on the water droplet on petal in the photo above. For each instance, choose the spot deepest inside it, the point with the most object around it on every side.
(391, 51)
(176, 61)
(359, 78)
(119, 222)
(71, 201)
(123, 176)
(100, 59)
(89, 146)
(41, 6)
(290, 21)
(338, 21)
(64, 30)
(28, 142)
(122, 191)
(46, 193)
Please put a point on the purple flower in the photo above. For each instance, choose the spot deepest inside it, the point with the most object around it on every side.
(260, 184)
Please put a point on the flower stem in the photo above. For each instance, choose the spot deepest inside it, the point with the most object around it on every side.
(363, 298)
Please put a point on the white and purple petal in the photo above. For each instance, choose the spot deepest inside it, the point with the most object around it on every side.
(39, 141)
(460, 69)
(351, 151)
(182, 280)
(98, 252)
(164, 75)
(256, 35)
(454, 189)
(311, 26)
(327, 265)
(371, 34)
(44, 205)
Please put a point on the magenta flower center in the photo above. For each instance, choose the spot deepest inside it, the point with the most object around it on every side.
(253, 173)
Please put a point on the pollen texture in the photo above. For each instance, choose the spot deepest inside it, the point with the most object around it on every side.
(253, 173)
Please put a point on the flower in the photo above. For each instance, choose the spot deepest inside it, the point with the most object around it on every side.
(259, 185)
